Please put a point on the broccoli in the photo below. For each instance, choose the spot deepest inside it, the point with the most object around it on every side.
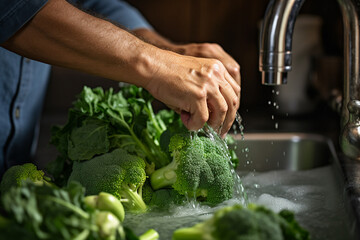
(241, 223)
(15, 175)
(106, 202)
(118, 173)
(200, 168)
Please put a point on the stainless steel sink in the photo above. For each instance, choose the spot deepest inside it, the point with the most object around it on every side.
(276, 151)
(300, 172)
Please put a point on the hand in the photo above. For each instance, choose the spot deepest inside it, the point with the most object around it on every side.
(200, 89)
(204, 50)
(211, 50)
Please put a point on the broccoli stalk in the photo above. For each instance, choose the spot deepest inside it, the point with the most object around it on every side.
(165, 176)
(131, 197)
(150, 234)
(106, 202)
(108, 224)
(192, 233)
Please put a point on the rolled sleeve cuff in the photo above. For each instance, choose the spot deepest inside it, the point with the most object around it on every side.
(15, 14)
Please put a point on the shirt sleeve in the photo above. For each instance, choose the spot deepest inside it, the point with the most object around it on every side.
(15, 13)
(117, 11)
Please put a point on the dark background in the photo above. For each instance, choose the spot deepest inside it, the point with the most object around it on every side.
(234, 25)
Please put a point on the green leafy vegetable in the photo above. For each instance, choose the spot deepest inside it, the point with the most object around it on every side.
(102, 121)
(34, 212)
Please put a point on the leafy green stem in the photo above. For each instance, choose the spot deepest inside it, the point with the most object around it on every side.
(68, 205)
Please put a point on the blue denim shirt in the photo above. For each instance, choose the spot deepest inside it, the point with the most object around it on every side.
(23, 82)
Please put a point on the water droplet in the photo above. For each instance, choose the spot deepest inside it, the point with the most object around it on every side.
(238, 119)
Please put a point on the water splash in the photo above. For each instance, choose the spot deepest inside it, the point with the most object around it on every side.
(239, 120)
(239, 190)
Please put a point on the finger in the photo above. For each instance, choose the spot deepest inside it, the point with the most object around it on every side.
(197, 116)
(217, 110)
(230, 64)
(233, 83)
(233, 102)
(234, 69)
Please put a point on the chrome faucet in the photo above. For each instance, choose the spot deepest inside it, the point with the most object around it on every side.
(275, 60)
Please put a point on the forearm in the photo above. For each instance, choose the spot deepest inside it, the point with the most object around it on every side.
(62, 35)
(156, 39)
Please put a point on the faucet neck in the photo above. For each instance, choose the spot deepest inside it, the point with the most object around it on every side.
(276, 40)
(275, 58)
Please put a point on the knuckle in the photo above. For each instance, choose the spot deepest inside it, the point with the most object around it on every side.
(223, 108)
(216, 66)
(205, 46)
(201, 94)
(203, 119)
(237, 89)
(235, 102)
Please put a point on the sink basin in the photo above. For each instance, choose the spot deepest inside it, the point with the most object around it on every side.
(300, 172)
(276, 151)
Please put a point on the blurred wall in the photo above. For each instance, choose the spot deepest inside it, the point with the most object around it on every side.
(231, 23)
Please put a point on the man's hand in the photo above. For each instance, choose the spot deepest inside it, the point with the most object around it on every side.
(204, 50)
(200, 89)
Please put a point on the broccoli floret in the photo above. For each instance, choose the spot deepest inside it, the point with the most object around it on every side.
(15, 175)
(118, 173)
(162, 198)
(199, 169)
(241, 223)
(147, 192)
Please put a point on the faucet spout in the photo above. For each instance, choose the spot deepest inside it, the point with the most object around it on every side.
(276, 40)
(275, 60)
